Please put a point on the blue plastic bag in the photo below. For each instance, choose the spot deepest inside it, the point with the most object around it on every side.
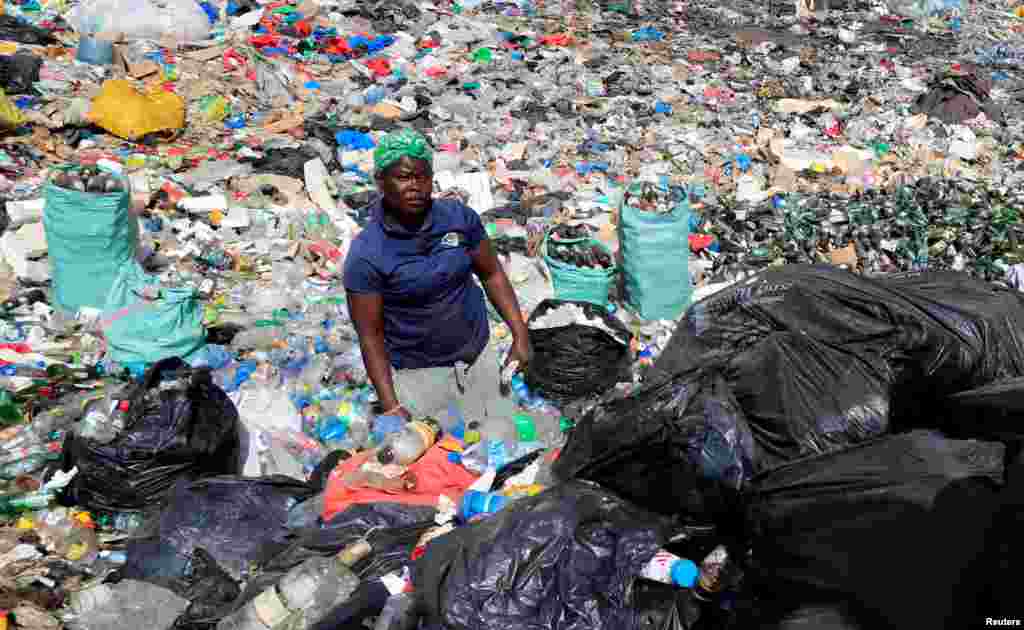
(90, 237)
(655, 251)
(140, 328)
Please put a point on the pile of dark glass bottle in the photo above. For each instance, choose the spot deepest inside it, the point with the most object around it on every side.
(89, 180)
(579, 251)
(932, 224)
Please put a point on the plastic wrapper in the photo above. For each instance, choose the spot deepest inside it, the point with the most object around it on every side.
(181, 20)
(127, 113)
(131, 604)
(563, 559)
(174, 435)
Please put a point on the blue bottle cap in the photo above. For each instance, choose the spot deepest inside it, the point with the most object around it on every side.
(475, 502)
(684, 573)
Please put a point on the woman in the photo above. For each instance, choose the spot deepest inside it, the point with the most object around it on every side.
(421, 318)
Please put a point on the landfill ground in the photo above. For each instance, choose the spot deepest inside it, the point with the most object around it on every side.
(770, 256)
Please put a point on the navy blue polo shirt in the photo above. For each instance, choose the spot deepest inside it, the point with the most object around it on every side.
(434, 311)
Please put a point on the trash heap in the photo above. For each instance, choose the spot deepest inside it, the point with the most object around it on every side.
(769, 256)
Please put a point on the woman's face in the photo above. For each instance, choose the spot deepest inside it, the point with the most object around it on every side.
(407, 185)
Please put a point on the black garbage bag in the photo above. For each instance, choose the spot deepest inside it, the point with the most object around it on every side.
(943, 330)
(235, 519)
(561, 560)
(803, 397)
(978, 337)
(897, 525)
(994, 411)
(821, 302)
(209, 588)
(571, 361)
(14, 30)
(818, 617)
(391, 529)
(287, 161)
(181, 433)
(682, 446)
(663, 607)
(18, 73)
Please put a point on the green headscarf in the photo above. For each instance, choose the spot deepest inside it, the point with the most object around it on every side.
(399, 144)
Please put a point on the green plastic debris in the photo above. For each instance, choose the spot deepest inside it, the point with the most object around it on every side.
(525, 427)
(483, 55)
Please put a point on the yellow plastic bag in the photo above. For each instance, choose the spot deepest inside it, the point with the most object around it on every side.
(127, 113)
(10, 115)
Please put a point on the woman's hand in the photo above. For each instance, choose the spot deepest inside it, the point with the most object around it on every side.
(402, 412)
(521, 351)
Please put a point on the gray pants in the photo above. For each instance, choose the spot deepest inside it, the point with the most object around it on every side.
(450, 392)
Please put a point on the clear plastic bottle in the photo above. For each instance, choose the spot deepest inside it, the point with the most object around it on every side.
(125, 522)
(27, 465)
(668, 568)
(12, 455)
(305, 595)
(15, 504)
(97, 424)
(87, 600)
(500, 440)
(409, 444)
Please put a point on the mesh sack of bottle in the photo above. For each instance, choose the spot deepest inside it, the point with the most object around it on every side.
(654, 231)
(141, 329)
(573, 276)
(90, 236)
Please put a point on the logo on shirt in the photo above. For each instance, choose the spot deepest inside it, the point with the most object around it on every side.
(451, 239)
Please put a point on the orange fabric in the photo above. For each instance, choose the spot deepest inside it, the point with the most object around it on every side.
(435, 475)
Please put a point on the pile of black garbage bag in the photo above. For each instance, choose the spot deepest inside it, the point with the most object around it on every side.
(854, 442)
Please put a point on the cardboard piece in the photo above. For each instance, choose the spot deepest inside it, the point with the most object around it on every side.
(206, 54)
(137, 66)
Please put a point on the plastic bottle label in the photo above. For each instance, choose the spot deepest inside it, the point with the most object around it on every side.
(269, 608)
(659, 569)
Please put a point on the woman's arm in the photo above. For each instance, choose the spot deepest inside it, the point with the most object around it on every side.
(367, 311)
(503, 297)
